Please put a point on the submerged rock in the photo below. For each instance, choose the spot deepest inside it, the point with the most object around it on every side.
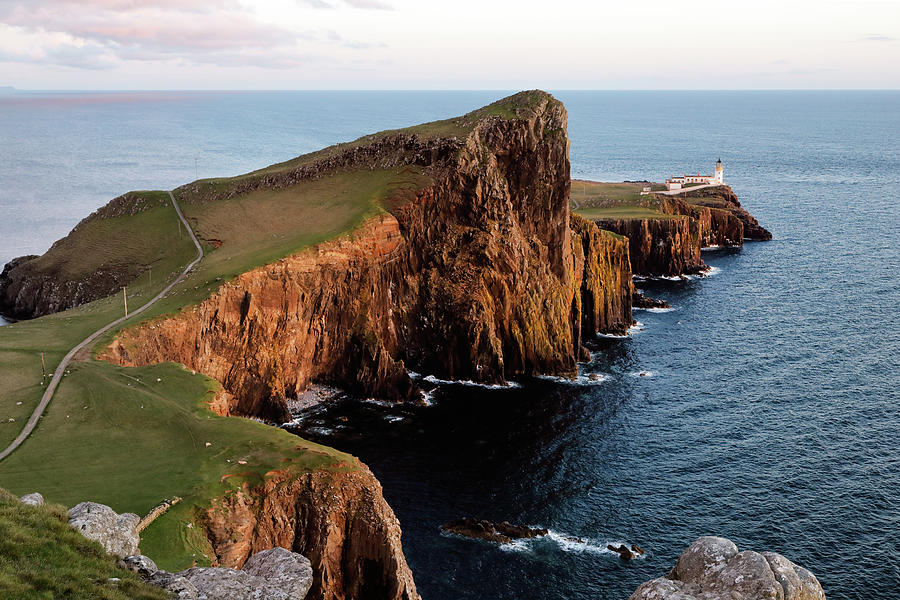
(502, 533)
(118, 534)
(713, 569)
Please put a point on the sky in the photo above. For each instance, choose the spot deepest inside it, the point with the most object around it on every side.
(457, 44)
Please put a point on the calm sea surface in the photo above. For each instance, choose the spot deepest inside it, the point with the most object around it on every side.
(769, 412)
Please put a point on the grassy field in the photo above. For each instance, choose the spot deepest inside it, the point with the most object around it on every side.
(41, 557)
(597, 200)
(130, 438)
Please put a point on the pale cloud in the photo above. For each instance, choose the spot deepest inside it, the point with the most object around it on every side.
(99, 34)
(878, 38)
(361, 4)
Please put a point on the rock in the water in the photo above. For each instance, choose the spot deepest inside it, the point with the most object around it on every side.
(33, 499)
(622, 550)
(275, 574)
(502, 533)
(713, 569)
(117, 533)
(639, 300)
(140, 564)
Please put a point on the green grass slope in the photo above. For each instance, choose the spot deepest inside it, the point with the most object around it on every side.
(598, 200)
(42, 557)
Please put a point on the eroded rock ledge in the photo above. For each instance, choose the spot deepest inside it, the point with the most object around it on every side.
(713, 569)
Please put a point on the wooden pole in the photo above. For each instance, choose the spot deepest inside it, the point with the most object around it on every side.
(125, 298)
(43, 369)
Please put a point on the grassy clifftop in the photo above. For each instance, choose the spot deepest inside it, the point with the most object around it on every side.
(597, 200)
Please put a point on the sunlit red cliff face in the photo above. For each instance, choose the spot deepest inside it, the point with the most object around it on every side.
(474, 276)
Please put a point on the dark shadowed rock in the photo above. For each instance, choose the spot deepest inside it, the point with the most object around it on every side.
(501, 533)
(639, 300)
(622, 550)
(713, 569)
(117, 533)
(140, 564)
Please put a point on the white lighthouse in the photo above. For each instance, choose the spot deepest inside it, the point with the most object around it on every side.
(678, 183)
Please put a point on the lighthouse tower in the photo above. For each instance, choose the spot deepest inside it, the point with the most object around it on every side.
(720, 172)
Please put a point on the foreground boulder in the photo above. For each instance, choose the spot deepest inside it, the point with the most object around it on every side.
(713, 569)
(276, 574)
(502, 533)
(118, 534)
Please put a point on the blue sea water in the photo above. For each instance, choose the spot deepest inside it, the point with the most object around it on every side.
(769, 411)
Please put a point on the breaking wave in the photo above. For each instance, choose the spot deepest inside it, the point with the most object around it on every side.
(469, 383)
(566, 543)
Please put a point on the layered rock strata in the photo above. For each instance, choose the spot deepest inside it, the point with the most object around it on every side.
(665, 246)
(713, 569)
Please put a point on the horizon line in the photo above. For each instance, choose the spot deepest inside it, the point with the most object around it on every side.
(13, 89)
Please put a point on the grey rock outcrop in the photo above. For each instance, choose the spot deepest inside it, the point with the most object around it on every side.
(140, 564)
(713, 569)
(117, 533)
(178, 586)
(32, 499)
(275, 574)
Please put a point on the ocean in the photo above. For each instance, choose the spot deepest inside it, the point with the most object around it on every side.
(764, 407)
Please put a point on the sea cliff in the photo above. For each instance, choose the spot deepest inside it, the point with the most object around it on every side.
(470, 276)
(338, 519)
(669, 243)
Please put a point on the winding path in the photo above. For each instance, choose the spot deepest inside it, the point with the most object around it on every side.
(61, 368)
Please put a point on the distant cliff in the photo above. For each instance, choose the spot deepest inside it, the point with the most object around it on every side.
(669, 245)
(723, 197)
(103, 253)
(471, 277)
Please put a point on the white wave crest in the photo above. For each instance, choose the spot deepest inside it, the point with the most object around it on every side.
(567, 543)
(378, 402)
(644, 374)
(469, 383)
(582, 379)
(655, 309)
